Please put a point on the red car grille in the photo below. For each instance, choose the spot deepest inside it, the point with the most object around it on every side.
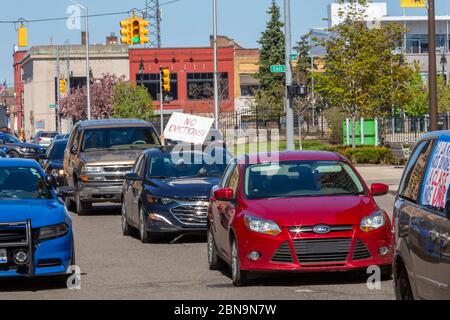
(312, 251)
(283, 254)
(360, 252)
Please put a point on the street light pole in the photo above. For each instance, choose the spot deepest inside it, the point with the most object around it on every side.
(216, 71)
(288, 106)
(432, 74)
(88, 75)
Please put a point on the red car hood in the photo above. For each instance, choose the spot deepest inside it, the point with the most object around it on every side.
(310, 211)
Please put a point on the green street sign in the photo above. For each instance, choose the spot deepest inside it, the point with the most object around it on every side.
(278, 69)
(294, 56)
(52, 106)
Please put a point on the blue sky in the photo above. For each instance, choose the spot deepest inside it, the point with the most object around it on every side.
(185, 23)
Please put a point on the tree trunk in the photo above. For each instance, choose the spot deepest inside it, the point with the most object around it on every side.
(353, 132)
(300, 138)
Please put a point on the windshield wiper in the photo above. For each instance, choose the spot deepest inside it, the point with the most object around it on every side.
(159, 177)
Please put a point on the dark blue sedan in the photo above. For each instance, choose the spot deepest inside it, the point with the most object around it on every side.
(168, 191)
(36, 236)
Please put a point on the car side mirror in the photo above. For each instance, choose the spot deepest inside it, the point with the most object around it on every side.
(224, 194)
(51, 181)
(66, 192)
(74, 149)
(379, 189)
(132, 176)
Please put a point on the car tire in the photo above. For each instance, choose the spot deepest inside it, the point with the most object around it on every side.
(403, 287)
(13, 154)
(214, 261)
(82, 207)
(386, 273)
(126, 228)
(239, 277)
(70, 204)
(143, 233)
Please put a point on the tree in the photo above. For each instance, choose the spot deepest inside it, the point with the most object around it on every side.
(270, 96)
(364, 76)
(415, 89)
(74, 106)
(443, 96)
(131, 101)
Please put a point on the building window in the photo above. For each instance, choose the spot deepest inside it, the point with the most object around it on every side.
(200, 86)
(151, 82)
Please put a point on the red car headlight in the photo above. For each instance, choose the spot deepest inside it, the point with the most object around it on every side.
(262, 226)
(373, 222)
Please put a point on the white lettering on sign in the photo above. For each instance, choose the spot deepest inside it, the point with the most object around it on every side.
(188, 128)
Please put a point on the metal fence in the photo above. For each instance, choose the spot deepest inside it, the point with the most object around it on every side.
(409, 129)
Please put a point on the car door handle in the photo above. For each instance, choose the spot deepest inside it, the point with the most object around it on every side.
(445, 240)
(434, 235)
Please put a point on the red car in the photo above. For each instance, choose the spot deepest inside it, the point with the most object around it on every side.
(307, 212)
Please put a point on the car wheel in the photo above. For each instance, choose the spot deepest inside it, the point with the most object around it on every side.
(13, 154)
(70, 204)
(82, 207)
(386, 273)
(143, 233)
(214, 261)
(403, 287)
(238, 276)
(126, 228)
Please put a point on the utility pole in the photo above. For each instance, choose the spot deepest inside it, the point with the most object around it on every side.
(58, 89)
(288, 106)
(432, 72)
(153, 15)
(216, 71)
(69, 74)
(161, 101)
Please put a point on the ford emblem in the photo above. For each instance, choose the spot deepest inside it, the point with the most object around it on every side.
(321, 229)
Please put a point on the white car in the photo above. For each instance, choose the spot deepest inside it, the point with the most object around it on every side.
(44, 138)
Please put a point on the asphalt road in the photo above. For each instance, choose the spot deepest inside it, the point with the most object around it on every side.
(118, 267)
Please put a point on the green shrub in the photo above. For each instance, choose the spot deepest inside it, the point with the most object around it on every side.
(365, 154)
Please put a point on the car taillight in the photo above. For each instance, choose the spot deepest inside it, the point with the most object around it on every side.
(39, 139)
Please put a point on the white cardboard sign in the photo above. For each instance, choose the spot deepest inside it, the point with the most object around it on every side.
(188, 128)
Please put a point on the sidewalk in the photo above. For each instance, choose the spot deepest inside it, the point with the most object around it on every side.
(382, 174)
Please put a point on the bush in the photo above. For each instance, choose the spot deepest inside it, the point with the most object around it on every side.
(365, 154)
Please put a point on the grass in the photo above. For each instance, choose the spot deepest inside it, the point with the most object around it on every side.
(267, 146)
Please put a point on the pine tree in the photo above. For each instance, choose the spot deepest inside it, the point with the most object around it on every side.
(270, 96)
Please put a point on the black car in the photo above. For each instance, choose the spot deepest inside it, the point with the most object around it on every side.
(15, 148)
(167, 191)
(53, 160)
(422, 222)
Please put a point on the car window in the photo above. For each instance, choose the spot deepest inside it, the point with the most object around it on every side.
(141, 167)
(10, 139)
(301, 179)
(233, 182)
(228, 173)
(22, 183)
(411, 184)
(72, 136)
(137, 164)
(437, 179)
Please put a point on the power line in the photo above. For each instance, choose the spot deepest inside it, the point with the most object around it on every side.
(84, 16)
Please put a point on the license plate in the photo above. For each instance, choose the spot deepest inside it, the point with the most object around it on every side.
(3, 256)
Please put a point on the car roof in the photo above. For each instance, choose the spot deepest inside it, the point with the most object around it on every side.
(291, 156)
(111, 123)
(435, 135)
(12, 163)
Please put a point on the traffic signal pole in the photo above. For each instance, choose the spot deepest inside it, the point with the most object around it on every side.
(161, 101)
(432, 75)
(216, 71)
(58, 90)
(288, 103)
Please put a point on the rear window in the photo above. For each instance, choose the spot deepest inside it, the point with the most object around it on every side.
(50, 135)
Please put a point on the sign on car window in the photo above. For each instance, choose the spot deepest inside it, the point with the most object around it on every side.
(437, 179)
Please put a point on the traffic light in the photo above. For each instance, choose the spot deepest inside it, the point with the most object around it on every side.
(165, 78)
(143, 32)
(125, 31)
(62, 86)
(22, 33)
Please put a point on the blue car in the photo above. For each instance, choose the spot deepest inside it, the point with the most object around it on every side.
(167, 192)
(36, 236)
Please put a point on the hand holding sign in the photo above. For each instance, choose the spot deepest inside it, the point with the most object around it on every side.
(188, 128)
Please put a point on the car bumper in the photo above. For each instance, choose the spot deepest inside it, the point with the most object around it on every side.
(101, 192)
(306, 259)
(52, 257)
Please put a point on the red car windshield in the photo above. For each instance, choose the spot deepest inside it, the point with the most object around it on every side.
(301, 179)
